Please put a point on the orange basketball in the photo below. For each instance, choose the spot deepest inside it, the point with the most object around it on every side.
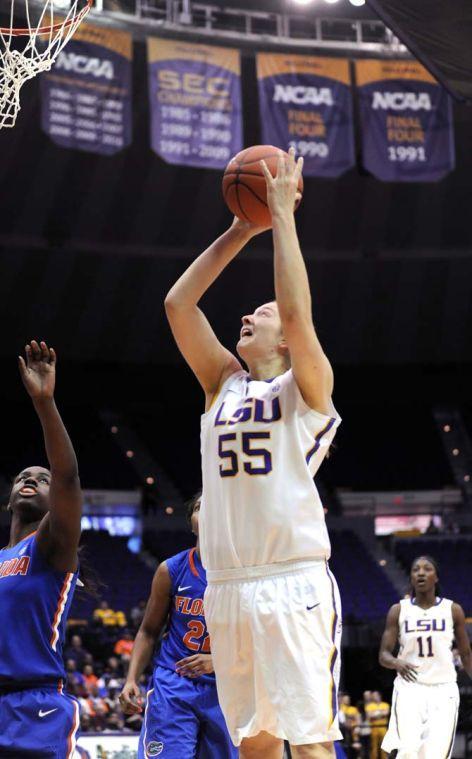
(244, 184)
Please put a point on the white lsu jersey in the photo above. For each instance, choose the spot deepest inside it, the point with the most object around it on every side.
(261, 446)
(426, 638)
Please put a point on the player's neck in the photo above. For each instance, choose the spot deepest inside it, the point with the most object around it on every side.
(425, 600)
(197, 549)
(19, 530)
(266, 369)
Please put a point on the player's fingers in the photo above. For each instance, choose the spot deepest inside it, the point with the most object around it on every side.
(28, 353)
(298, 168)
(265, 170)
(35, 350)
(22, 365)
(291, 160)
(44, 351)
(52, 356)
(281, 165)
(187, 660)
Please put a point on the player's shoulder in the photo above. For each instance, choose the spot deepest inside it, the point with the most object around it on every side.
(178, 560)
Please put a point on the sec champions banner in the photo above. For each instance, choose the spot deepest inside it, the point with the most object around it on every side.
(306, 103)
(195, 102)
(86, 97)
(406, 122)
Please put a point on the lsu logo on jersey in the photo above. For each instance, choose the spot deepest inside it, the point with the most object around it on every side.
(17, 566)
(425, 625)
(251, 410)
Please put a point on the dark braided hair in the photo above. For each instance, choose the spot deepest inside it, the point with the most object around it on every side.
(192, 504)
(431, 560)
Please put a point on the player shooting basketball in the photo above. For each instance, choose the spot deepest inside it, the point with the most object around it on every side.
(272, 606)
(38, 575)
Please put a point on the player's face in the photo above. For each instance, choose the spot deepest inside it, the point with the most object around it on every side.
(423, 576)
(30, 493)
(194, 518)
(261, 333)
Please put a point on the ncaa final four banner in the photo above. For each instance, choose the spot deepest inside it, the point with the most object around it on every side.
(406, 122)
(306, 103)
(195, 103)
(86, 97)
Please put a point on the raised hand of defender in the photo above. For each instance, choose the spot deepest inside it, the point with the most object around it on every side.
(282, 190)
(38, 372)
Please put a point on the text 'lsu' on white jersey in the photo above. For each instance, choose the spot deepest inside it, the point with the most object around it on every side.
(261, 447)
(426, 638)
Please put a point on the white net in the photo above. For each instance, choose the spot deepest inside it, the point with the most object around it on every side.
(26, 52)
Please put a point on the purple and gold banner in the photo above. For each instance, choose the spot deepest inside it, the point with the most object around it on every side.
(306, 103)
(86, 97)
(195, 97)
(406, 122)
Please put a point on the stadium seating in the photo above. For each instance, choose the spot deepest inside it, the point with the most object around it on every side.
(454, 555)
(126, 578)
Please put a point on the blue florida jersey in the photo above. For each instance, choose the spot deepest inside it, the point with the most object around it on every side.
(34, 603)
(186, 632)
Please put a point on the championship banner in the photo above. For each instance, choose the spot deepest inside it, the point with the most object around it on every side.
(406, 122)
(306, 103)
(195, 97)
(86, 97)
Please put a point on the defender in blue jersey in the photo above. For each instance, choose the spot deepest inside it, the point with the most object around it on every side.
(38, 574)
(182, 719)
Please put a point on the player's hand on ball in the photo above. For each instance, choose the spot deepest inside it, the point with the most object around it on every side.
(407, 671)
(283, 194)
(248, 227)
(195, 666)
(130, 699)
(38, 372)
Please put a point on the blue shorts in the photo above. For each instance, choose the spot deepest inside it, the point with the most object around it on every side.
(40, 723)
(183, 720)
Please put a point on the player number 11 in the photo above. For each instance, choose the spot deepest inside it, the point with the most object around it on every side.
(429, 641)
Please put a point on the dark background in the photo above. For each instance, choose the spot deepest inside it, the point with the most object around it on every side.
(89, 246)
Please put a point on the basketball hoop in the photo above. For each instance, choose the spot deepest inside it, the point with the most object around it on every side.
(44, 42)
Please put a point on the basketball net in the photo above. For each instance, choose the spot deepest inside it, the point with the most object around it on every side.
(44, 41)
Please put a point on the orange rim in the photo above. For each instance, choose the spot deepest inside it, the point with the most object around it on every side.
(26, 32)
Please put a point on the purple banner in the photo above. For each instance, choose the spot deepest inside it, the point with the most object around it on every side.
(306, 103)
(406, 122)
(195, 103)
(86, 97)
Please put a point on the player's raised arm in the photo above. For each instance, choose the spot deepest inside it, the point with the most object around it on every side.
(154, 619)
(197, 342)
(461, 638)
(59, 531)
(311, 368)
(388, 644)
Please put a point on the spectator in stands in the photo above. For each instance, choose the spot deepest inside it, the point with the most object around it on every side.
(74, 676)
(362, 733)
(137, 614)
(378, 713)
(108, 617)
(90, 678)
(124, 646)
(349, 723)
(76, 651)
(431, 528)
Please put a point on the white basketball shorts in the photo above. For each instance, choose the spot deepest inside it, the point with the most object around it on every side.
(423, 720)
(275, 635)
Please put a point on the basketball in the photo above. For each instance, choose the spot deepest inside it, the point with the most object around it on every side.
(244, 184)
